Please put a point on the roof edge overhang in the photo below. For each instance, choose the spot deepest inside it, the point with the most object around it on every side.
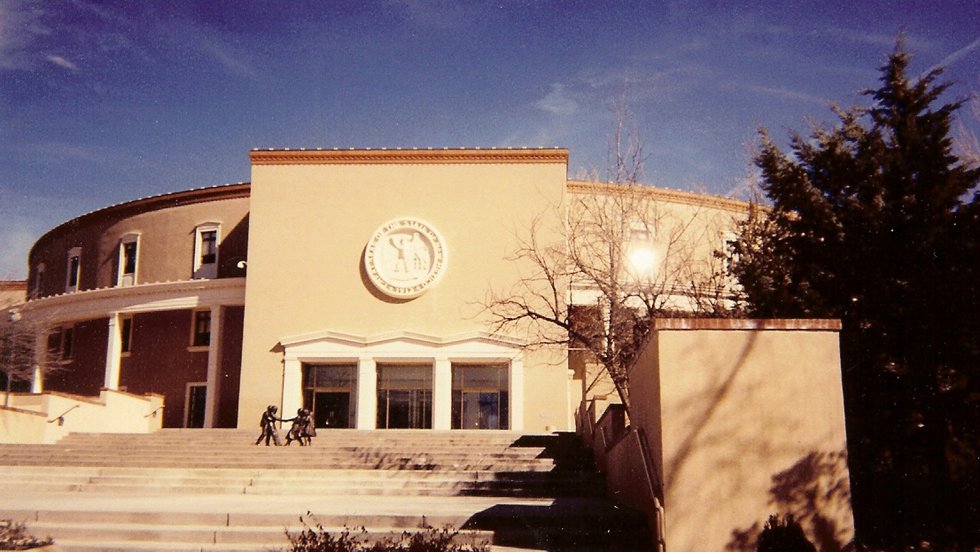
(415, 156)
(152, 203)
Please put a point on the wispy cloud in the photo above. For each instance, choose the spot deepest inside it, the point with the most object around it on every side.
(784, 93)
(20, 26)
(557, 102)
(960, 54)
(46, 152)
(186, 35)
(437, 14)
(62, 62)
(855, 36)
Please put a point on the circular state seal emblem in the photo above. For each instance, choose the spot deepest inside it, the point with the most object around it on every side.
(405, 257)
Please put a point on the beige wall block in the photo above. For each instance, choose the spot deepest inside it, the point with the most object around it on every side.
(310, 223)
(743, 416)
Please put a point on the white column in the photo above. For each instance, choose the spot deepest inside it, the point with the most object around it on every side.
(367, 394)
(292, 387)
(442, 394)
(214, 368)
(113, 352)
(40, 348)
(517, 394)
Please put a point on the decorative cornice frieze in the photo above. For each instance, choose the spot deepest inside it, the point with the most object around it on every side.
(784, 324)
(660, 194)
(408, 157)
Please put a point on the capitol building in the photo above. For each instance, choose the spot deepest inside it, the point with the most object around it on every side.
(350, 282)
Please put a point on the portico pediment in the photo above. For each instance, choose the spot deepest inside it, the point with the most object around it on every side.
(402, 344)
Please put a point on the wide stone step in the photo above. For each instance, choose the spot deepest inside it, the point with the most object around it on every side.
(367, 461)
(288, 465)
(208, 534)
(573, 524)
(339, 489)
(214, 490)
(276, 475)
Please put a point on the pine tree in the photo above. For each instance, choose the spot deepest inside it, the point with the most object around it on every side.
(874, 221)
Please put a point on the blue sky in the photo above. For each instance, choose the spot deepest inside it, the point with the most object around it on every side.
(104, 102)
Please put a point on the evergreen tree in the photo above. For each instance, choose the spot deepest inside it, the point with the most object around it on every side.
(875, 221)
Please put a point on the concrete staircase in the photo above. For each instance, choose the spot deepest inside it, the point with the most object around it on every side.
(214, 490)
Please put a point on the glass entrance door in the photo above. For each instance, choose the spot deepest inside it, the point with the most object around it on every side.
(327, 392)
(404, 397)
(331, 409)
(197, 395)
(480, 397)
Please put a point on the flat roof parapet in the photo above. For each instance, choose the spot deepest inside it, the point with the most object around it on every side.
(784, 324)
(408, 157)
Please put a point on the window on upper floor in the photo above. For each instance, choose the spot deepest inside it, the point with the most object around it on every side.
(201, 328)
(206, 239)
(74, 269)
(128, 256)
(38, 281)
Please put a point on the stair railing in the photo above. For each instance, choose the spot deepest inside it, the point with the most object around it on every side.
(61, 419)
(654, 486)
(154, 413)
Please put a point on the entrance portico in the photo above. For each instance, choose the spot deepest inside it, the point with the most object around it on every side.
(469, 381)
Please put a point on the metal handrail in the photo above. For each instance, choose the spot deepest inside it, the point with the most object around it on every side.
(651, 475)
(154, 413)
(61, 419)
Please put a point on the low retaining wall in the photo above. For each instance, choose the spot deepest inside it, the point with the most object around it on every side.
(47, 417)
(739, 419)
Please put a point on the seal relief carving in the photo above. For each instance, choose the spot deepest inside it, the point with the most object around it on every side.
(405, 257)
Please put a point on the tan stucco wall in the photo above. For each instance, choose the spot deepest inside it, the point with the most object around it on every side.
(26, 418)
(742, 417)
(309, 225)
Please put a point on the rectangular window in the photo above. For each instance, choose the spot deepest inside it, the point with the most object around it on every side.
(128, 252)
(480, 397)
(209, 247)
(202, 329)
(206, 251)
(126, 334)
(38, 281)
(74, 269)
(67, 342)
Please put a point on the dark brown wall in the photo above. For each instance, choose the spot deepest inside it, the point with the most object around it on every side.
(231, 366)
(85, 374)
(159, 361)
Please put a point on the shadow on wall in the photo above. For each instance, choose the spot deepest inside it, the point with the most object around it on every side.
(234, 248)
(816, 492)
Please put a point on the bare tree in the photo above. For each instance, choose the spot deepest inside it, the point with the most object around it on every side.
(22, 354)
(624, 257)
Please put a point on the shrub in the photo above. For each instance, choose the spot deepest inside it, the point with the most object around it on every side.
(14, 536)
(317, 539)
(783, 535)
